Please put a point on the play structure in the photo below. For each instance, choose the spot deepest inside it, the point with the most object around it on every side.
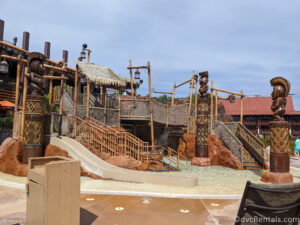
(88, 115)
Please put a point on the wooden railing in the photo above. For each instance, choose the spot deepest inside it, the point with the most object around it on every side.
(7, 95)
(133, 142)
(106, 140)
(253, 144)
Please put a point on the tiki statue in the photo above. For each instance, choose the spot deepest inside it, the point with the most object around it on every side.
(279, 128)
(36, 69)
(281, 89)
(34, 110)
(203, 83)
(202, 118)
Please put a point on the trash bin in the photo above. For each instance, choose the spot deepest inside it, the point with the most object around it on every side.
(53, 191)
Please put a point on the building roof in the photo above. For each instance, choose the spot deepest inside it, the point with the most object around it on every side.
(104, 76)
(256, 106)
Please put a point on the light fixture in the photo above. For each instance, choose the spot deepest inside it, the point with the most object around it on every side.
(137, 74)
(82, 54)
(4, 67)
(82, 80)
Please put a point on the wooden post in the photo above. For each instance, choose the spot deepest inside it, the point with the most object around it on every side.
(242, 107)
(131, 79)
(24, 103)
(75, 99)
(167, 122)
(25, 43)
(190, 103)
(120, 92)
(173, 94)
(25, 46)
(1, 30)
(61, 99)
(211, 105)
(150, 105)
(17, 84)
(88, 98)
(216, 110)
(50, 94)
(65, 56)
(47, 47)
(196, 96)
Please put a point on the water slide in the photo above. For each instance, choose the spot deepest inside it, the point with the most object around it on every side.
(94, 164)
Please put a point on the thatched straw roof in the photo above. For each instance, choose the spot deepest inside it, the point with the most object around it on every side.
(104, 76)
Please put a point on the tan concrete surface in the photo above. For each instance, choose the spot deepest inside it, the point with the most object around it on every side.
(130, 210)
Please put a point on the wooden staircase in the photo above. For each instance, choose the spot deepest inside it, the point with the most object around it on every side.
(249, 162)
(254, 155)
(118, 142)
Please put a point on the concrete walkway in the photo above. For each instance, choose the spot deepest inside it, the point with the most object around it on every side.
(130, 210)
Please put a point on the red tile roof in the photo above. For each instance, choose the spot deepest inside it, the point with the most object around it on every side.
(256, 106)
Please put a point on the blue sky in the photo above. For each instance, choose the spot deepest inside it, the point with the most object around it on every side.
(242, 43)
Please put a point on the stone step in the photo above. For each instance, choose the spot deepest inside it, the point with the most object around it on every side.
(253, 167)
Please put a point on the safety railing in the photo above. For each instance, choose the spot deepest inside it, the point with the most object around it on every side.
(253, 143)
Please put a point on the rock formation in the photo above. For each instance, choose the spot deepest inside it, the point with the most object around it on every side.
(218, 154)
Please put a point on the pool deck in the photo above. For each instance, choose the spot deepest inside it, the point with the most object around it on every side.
(129, 210)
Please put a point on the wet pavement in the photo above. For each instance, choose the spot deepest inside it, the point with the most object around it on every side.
(130, 210)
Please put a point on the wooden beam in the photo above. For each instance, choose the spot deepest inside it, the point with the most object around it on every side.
(88, 98)
(242, 107)
(18, 84)
(150, 105)
(162, 92)
(26, 51)
(211, 105)
(167, 122)
(183, 83)
(196, 96)
(190, 103)
(173, 93)
(56, 78)
(137, 67)
(131, 79)
(228, 92)
(216, 110)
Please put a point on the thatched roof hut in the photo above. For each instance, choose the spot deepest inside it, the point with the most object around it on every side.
(104, 76)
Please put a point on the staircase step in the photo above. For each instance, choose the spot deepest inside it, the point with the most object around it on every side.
(249, 160)
(253, 167)
(251, 164)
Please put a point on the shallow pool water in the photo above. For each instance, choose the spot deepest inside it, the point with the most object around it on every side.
(213, 180)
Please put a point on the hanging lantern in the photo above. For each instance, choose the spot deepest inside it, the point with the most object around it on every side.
(4, 67)
(137, 74)
(231, 98)
(82, 80)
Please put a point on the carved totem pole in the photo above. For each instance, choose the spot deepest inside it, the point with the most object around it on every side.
(202, 118)
(34, 117)
(279, 157)
(279, 135)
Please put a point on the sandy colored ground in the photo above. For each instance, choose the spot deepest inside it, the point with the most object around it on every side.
(102, 209)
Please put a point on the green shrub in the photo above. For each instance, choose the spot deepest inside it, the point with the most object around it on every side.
(266, 141)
